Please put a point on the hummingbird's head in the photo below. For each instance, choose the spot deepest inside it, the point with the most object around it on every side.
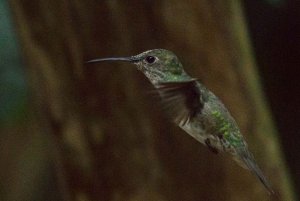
(157, 65)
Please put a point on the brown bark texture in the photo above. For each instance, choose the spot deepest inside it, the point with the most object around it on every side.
(110, 140)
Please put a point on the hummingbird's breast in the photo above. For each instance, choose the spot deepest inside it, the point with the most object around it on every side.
(213, 125)
(202, 128)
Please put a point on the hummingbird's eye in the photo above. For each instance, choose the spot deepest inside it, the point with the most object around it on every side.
(150, 59)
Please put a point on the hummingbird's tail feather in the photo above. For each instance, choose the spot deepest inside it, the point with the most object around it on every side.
(248, 161)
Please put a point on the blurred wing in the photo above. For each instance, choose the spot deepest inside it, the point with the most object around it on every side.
(181, 100)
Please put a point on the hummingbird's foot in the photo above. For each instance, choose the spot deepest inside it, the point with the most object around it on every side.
(210, 147)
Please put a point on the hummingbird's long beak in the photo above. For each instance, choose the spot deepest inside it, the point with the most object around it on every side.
(127, 59)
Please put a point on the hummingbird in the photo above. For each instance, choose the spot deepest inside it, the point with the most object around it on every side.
(194, 108)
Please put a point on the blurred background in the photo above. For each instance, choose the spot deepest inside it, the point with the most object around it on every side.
(76, 132)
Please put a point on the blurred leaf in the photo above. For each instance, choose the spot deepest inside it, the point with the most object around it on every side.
(275, 3)
(13, 88)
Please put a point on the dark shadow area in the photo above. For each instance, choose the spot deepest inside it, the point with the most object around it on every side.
(275, 35)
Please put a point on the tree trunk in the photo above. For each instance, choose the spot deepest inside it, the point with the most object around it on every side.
(113, 143)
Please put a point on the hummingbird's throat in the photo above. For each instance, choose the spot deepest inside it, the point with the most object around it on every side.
(139, 67)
